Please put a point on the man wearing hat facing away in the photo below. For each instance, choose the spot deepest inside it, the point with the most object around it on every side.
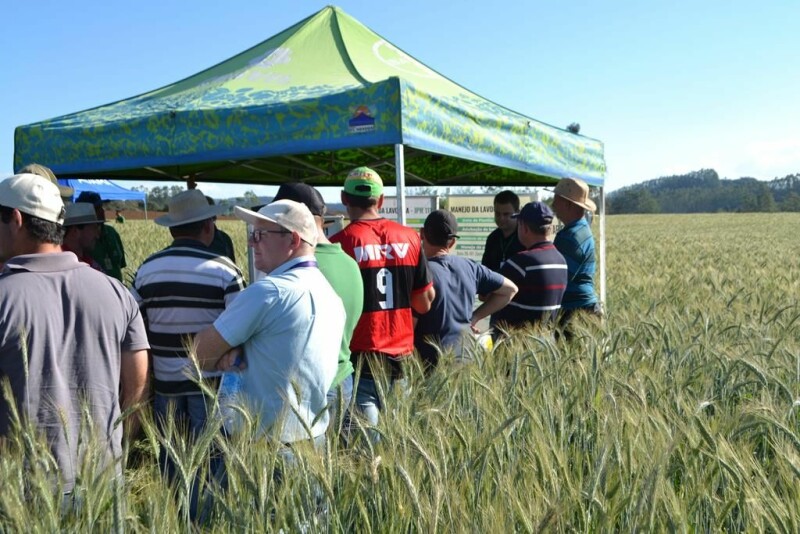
(396, 280)
(576, 243)
(540, 271)
(289, 325)
(52, 314)
(81, 232)
(181, 290)
(457, 280)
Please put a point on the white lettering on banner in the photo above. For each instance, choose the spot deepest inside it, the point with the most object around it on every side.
(375, 252)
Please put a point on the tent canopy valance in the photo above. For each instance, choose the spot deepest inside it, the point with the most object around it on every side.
(309, 104)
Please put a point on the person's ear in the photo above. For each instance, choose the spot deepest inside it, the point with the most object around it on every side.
(379, 205)
(296, 240)
(16, 219)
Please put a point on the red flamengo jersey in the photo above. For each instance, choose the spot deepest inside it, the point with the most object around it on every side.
(393, 268)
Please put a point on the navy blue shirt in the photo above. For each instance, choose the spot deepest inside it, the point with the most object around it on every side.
(576, 243)
(457, 280)
(541, 276)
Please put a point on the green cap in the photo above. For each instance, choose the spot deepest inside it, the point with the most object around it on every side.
(363, 182)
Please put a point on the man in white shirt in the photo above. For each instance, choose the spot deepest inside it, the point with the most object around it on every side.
(289, 325)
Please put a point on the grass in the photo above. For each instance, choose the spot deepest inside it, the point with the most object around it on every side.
(681, 413)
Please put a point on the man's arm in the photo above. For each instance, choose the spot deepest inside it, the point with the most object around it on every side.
(133, 378)
(422, 300)
(495, 301)
(209, 347)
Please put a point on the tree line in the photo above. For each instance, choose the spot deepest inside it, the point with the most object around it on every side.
(158, 199)
(704, 192)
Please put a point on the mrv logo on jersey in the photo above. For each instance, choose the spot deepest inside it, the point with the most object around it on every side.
(389, 251)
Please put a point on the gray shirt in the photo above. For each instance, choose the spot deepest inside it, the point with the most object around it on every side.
(63, 327)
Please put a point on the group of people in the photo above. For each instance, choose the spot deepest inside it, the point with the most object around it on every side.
(360, 302)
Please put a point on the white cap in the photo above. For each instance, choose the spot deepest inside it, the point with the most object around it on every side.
(289, 214)
(34, 195)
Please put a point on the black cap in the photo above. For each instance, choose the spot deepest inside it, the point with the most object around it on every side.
(91, 197)
(535, 214)
(440, 226)
(303, 193)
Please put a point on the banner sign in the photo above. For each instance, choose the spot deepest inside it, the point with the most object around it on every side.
(417, 209)
(475, 216)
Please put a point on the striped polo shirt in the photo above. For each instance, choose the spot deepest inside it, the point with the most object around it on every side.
(181, 290)
(541, 276)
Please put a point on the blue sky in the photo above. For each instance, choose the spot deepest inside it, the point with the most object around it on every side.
(669, 87)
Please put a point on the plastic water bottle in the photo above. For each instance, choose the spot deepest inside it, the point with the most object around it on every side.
(228, 398)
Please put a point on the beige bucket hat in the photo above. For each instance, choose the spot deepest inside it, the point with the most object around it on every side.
(188, 207)
(576, 191)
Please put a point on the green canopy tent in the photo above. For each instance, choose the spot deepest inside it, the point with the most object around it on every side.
(309, 104)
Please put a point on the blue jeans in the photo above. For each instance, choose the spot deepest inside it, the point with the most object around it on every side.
(191, 414)
(287, 462)
(190, 411)
(369, 403)
(339, 399)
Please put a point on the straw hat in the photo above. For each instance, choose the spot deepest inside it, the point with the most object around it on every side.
(576, 191)
(188, 207)
(45, 172)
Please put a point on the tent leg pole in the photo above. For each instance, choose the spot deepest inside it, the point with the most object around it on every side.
(400, 182)
(602, 273)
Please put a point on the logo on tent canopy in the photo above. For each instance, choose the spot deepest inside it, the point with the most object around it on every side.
(363, 120)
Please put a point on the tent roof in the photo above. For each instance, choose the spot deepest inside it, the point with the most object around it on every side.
(106, 189)
(308, 104)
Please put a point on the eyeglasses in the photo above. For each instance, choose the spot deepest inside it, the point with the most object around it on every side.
(255, 235)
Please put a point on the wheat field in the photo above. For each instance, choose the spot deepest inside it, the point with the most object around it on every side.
(680, 413)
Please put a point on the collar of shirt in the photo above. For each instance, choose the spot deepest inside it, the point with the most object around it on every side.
(540, 244)
(291, 264)
(580, 222)
(188, 242)
(48, 262)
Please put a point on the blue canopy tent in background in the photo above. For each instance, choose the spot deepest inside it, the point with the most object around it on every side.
(107, 190)
(309, 104)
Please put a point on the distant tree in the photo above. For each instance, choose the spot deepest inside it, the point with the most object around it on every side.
(633, 201)
(422, 191)
(791, 202)
(250, 198)
(765, 201)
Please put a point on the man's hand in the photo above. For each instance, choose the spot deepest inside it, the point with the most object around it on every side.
(233, 360)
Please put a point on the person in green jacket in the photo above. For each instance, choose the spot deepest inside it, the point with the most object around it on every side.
(108, 251)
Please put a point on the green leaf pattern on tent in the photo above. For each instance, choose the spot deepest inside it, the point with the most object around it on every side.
(294, 95)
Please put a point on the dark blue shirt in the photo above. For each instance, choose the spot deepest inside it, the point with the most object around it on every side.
(576, 243)
(541, 276)
(457, 280)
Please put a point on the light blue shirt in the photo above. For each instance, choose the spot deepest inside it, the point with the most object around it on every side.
(291, 325)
